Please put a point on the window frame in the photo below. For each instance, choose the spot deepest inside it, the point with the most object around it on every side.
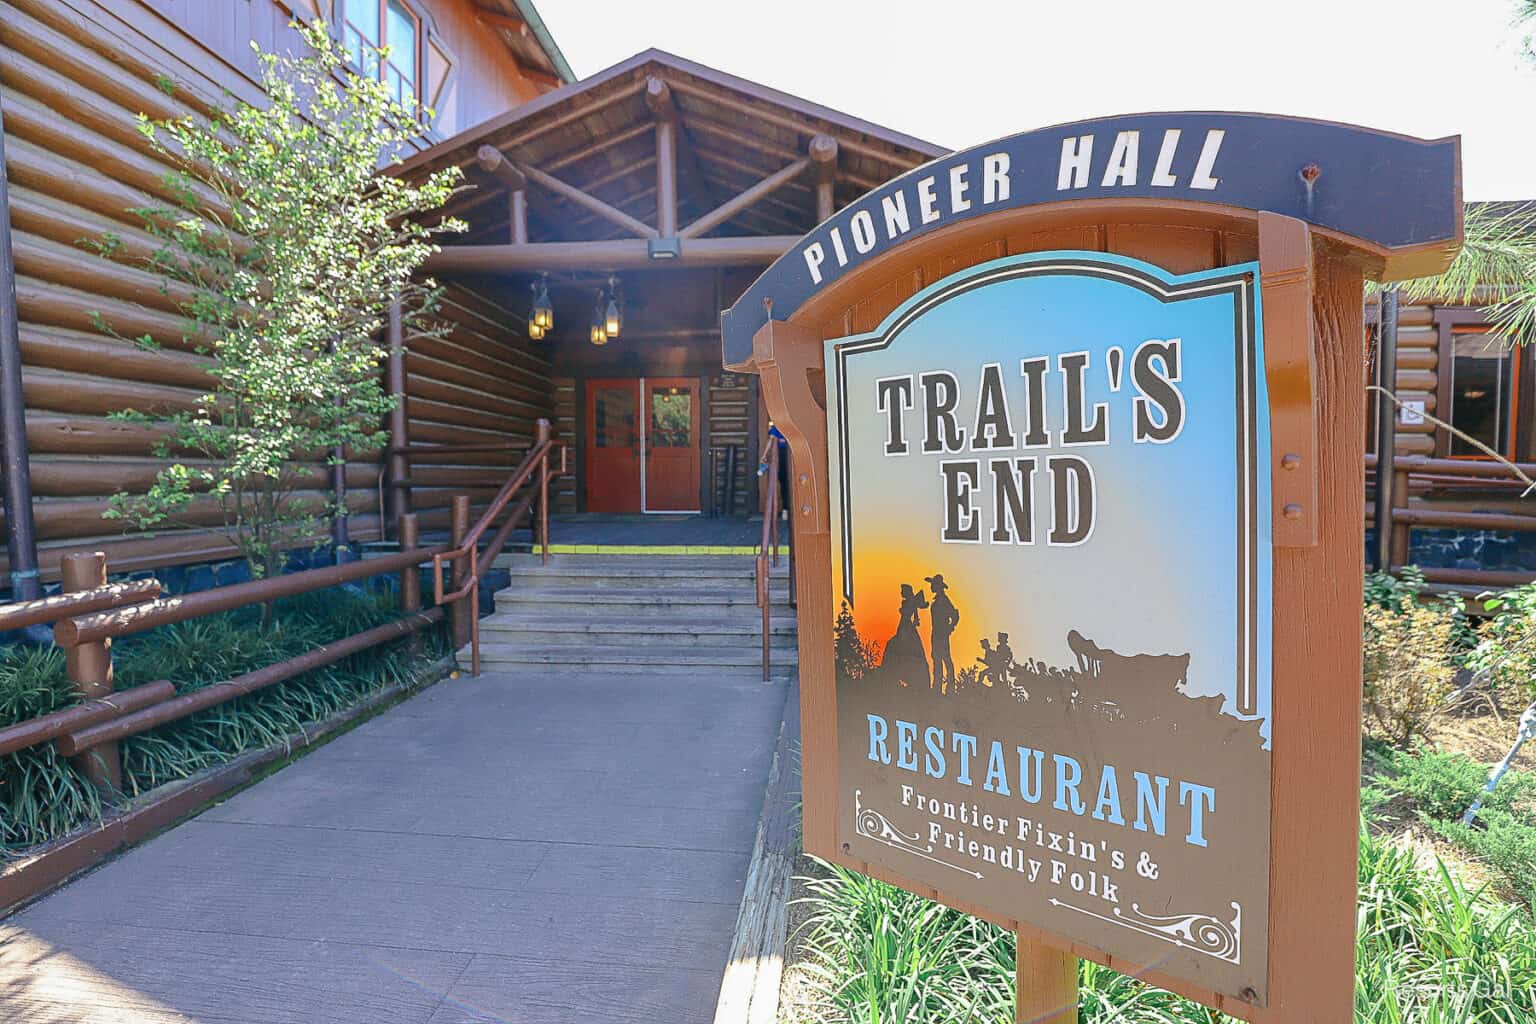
(424, 28)
(1450, 321)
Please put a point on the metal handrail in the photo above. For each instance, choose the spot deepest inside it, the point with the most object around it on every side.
(770, 543)
(469, 548)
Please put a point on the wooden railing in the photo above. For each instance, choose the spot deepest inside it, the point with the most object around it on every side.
(1418, 471)
(768, 549)
(92, 613)
(469, 562)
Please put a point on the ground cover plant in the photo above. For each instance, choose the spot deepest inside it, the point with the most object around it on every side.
(43, 797)
(1429, 950)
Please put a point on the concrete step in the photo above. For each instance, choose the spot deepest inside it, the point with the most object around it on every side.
(732, 584)
(623, 656)
(636, 600)
(640, 566)
(701, 674)
(649, 646)
(530, 622)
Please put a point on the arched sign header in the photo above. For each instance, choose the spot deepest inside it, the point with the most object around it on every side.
(1398, 195)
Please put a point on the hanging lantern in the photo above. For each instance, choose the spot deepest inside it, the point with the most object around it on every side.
(546, 310)
(613, 318)
(599, 331)
(535, 332)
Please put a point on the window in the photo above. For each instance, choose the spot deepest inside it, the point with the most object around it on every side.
(1484, 391)
(368, 26)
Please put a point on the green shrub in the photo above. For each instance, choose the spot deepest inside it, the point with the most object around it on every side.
(1409, 661)
(1505, 655)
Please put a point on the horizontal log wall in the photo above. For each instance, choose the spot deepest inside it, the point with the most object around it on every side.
(74, 75)
(481, 382)
(563, 489)
(731, 398)
(1418, 363)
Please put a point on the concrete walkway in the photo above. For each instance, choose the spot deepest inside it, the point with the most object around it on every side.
(506, 848)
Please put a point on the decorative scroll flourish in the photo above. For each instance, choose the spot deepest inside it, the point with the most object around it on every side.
(1203, 933)
(871, 824)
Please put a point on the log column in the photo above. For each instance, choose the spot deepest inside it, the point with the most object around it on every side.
(824, 156)
(658, 96)
(410, 577)
(88, 667)
(399, 503)
(458, 529)
(16, 487)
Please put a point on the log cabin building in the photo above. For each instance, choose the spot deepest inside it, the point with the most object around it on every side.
(629, 208)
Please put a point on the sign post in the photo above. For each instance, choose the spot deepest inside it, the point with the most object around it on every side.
(1076, 426)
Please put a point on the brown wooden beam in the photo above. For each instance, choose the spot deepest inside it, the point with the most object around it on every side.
(773, 149)
(824, 155)
(492, 161)
(659, 98)
(496, 19)
(742, 200)
(587, 200)
(618, 254)
(794, 124)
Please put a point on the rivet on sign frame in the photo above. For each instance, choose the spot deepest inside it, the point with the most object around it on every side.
(1290, 461)
(1291, 511)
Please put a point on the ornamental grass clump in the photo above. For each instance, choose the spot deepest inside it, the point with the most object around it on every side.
(1429, 950)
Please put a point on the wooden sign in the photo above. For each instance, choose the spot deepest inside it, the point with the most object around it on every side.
(1077, 492)
(1052, 692)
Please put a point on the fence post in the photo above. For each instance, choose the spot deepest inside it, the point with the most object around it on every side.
(89, 668)
(1400, 529)
(458, 528)
(544, 432)
(410, 577)
(1386, 494)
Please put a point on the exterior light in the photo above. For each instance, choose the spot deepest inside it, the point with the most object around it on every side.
(613, 319)
(599, 332)
(535, 332)
(542, 311)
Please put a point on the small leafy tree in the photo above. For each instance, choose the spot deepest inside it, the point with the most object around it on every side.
(286, 249)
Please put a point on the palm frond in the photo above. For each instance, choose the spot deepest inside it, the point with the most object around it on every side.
(1496, 268)
(1499, 252)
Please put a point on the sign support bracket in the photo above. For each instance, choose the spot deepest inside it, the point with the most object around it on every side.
(1290, 366)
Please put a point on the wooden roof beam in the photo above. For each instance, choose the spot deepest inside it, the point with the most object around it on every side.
(742, 200)
(588, 201)
(824, 156)
(498, 19)
(659, 98)
(493, 162)
(618, 254)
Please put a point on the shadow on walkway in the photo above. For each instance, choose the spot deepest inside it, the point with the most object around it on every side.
(506, 848)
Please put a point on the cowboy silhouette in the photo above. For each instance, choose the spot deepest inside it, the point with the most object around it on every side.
(942, 620)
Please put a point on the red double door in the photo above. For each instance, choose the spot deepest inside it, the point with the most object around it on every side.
(642, 444)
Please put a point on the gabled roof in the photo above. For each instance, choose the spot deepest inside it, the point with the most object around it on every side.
(518, 25)
(597, 135)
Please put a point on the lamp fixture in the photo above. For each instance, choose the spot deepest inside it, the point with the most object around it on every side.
(541, 312)
(613, 317)
(599, 331)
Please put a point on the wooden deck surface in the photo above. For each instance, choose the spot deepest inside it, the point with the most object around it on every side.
(495, 849)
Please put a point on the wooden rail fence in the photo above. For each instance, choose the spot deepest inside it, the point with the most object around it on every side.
(1401, 518)
(91, 613)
